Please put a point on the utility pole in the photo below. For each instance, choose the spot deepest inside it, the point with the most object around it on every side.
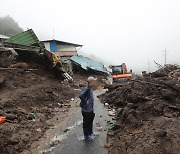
(53, 33)
(165, 56)
(149, 69)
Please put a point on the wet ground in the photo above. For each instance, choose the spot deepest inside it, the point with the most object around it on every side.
(71, 141)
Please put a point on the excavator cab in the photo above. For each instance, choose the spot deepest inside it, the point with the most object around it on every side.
(119, 73)
(117, 70)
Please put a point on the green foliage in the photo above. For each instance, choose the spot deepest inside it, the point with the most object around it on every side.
(9, 27)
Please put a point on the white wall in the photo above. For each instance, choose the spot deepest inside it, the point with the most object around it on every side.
(66, 48)
(47, 45)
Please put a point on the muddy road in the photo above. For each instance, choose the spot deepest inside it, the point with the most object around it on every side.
(68, 136)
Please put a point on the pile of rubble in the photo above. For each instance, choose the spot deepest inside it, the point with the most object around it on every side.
(147, 113)
(30, 95)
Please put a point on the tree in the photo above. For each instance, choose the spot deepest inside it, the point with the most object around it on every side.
(9, 27)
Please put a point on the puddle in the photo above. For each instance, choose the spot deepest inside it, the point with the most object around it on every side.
(69, 130)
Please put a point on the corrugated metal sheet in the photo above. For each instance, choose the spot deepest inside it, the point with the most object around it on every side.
(25, 38)
(3, 37)
(87, 63)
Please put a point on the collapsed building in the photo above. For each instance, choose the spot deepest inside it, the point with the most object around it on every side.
(61, 56)
(27, 45)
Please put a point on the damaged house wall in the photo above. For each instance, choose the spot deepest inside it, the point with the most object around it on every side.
(64, 51)
(61, 49)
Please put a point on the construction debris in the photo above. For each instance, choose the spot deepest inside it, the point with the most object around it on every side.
(88, 64)
(26, 44)
(148, 111)
(7, 56)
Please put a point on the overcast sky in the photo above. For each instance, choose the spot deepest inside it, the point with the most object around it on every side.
(131, 31)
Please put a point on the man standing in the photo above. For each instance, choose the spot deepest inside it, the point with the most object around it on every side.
(87, 108)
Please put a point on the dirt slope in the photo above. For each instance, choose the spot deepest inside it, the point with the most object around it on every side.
(28, 99)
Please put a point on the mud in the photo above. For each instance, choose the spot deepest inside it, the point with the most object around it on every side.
(29, 99)
(147, 115)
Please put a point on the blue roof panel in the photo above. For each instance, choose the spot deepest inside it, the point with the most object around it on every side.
(87, 63)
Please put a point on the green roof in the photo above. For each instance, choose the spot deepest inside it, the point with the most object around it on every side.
(25, 38)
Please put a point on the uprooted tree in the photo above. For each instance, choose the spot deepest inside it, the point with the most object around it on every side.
(9, 27)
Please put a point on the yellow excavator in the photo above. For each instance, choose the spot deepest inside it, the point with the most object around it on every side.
(119, 73)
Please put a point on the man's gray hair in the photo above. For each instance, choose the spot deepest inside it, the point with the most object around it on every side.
(91, 78)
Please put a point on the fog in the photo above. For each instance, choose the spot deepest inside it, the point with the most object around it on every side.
(131, 31)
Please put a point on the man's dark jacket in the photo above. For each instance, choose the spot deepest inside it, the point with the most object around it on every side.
(87, 99)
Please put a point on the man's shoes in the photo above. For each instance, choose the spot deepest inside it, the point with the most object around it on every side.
(93, 135)
(88, 138)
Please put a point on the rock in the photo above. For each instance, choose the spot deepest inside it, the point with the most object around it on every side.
(81, 85)
(76, 85)
(2, 81)
(98, 124)
(161, 133)
(130, 105)
(67, 105)
(60, 105)
(19, 65)
(72, 99)
(13, 140)
(111, 113)
(38, 130)
(66, 130)
(2, 113)
(46, 152)
(99, 128)
(10, 116)
(108, 121)
(113, 118)
(106, 104)
(106, 145)
(53, 143)
(50, 105)
(131, 119)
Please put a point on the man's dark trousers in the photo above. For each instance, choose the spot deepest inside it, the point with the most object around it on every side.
(88, 118)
